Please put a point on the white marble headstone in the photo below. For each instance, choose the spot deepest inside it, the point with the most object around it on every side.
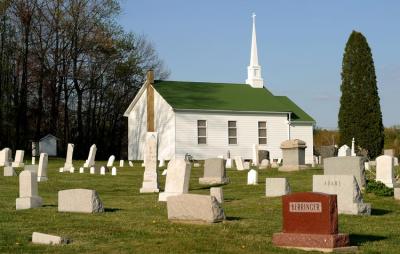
(121, 163)
(91, 158)
(344, 150)
(252, 177)
(42, 167)
(68, 160)
(239, 163)
(177, 181)
(385, 171)
(114, 171)
(28, 191)
(19, 159)
(110, 162)
(150, 177)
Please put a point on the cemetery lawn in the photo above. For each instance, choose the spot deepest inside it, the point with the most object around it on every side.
(137, 223)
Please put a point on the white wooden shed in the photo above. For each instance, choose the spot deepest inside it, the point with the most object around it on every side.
(48, 144)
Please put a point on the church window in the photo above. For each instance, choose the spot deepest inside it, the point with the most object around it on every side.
(262, 133)
(232, 133)
(201, 132)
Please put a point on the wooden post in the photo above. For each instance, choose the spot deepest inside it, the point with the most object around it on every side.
(150, 101)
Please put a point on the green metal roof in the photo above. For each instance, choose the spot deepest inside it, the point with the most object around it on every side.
(226, 97)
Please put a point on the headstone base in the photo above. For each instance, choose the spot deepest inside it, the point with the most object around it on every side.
(149, 187)
(42, 179)
(9, 171)
(17, 165)
(41, 238)
(397, 193)
(32, 168)
(194, 208)
(289, 168)
(164, 195)
(359, 209)
(213, 180)
(28, 202)
(320, 241)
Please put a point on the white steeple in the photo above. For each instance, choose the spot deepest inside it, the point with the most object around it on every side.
(254, 70)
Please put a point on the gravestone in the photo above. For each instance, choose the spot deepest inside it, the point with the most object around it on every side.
(389, 152)
(397, 193)
(81, 170)
(9, 171)
(293, 152)
(114, 171)
(90, 162)
(150, 177)
(346, 166)
(102, 170)
(228, 163)
(92, 170)
(196, 165)
(42, 167)
(28, 191)
(348, 193)
(325, 152)
(164, 173)
(130, 163)
(252, 177)
(353, 150)
(276, 187)
(263, 155)
(395, 161)
(72, 170)
(255, 155)
(264, 164)
(19, 159)
(33, 160)
(5, 157)
(110, 162)
(61, 170)
(239, 163)
(344, 151)
(214, 172)
(177, 181)
(40, 238)
(68, 161)
(310, 222)
(121, 163)
(194, 208)
(385, 171)
(217, 192)
(79, 201)
(246, 165)
(162, 163)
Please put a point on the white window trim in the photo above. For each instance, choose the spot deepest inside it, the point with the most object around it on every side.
(206, 136)
(237, 140)
(258, 133)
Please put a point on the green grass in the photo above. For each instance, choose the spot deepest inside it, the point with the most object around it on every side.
(137, 223)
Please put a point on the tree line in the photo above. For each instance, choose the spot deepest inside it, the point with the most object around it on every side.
(68, 68)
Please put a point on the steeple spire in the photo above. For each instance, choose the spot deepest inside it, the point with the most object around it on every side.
(254, 78)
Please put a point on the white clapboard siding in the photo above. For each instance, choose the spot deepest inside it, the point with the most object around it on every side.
(217, 134)
(165, 126)
(137, 128)
(304, 132)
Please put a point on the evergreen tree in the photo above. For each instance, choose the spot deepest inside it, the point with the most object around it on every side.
(360, 112)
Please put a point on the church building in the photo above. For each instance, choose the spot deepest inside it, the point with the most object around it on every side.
(207, 119)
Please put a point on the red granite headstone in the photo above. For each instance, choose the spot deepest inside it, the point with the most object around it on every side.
(310, 220)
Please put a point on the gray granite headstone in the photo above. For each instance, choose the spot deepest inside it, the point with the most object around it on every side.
(347, 165)
(214, 172)
(348, 193)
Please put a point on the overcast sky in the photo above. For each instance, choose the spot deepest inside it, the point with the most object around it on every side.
(300, 45)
